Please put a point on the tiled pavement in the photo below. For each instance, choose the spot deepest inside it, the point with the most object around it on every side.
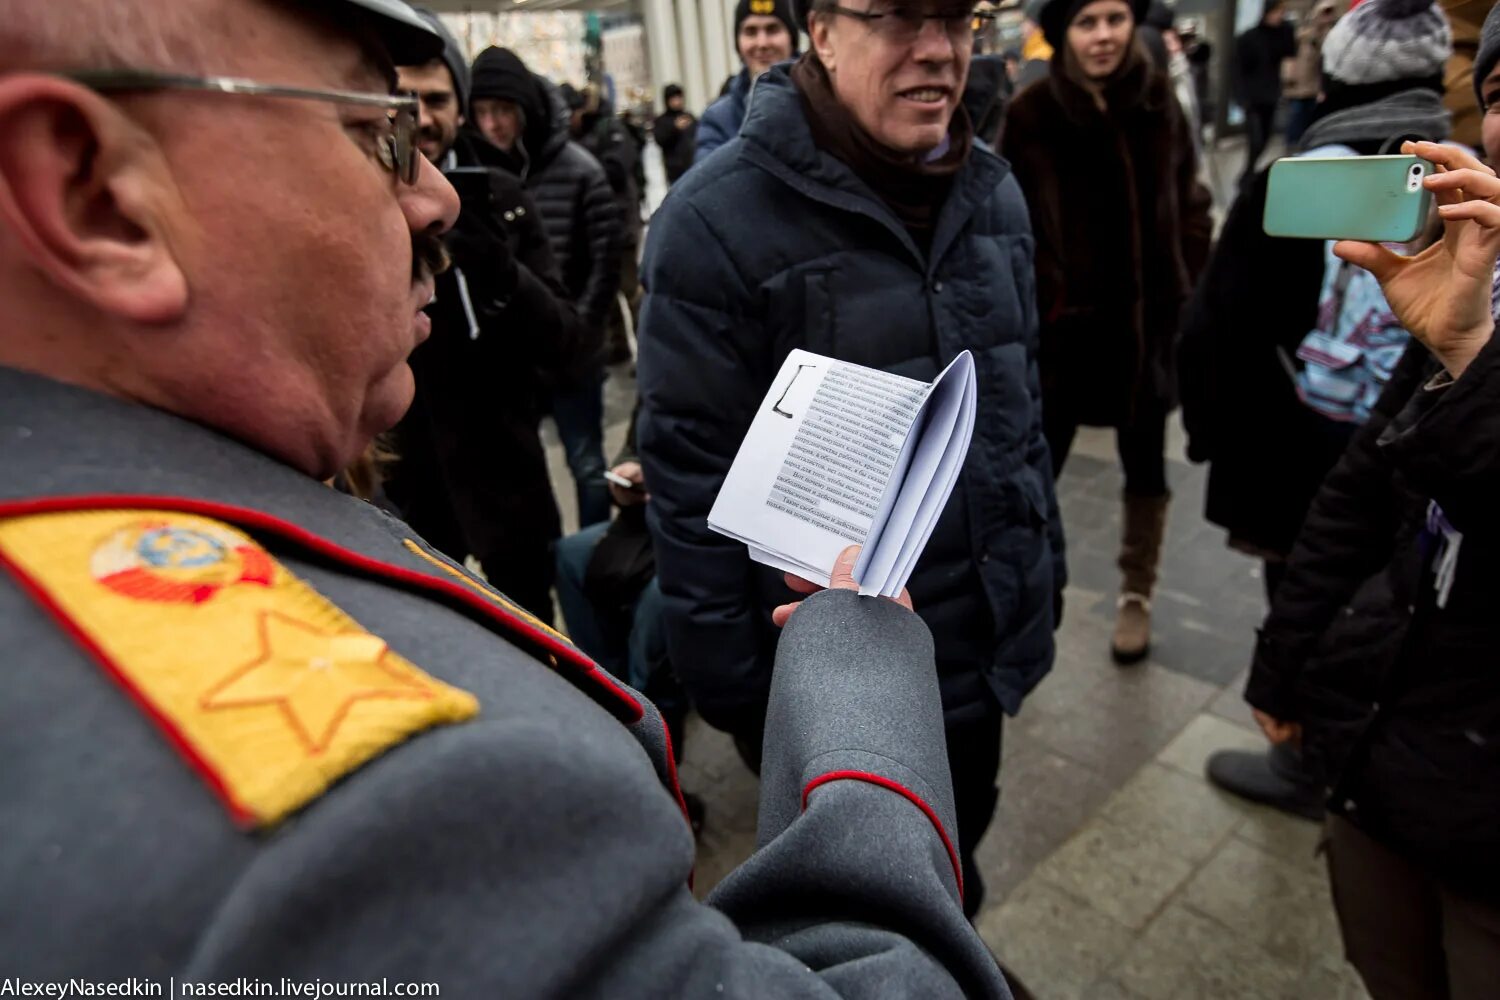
(1114, 870)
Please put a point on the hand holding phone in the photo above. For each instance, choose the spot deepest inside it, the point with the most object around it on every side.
(1382, 199)
(1442, 295)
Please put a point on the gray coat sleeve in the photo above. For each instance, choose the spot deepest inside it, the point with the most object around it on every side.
(510, 859)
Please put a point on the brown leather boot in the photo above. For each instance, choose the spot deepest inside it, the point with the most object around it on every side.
(1140, 552)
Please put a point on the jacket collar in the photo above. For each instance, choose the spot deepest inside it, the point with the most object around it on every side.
(739, 87)
(777, 139)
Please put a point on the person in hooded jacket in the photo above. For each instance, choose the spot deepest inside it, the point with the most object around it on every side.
(1268, 452)
(470, 473)
(1105, 156)
(764, 35)
(674, 131)
(867, 225)
(526, 118)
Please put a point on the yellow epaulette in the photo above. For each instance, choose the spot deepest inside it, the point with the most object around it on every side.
(267, 688)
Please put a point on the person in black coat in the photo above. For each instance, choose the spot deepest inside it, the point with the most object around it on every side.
(471, 474)
(674, 132)
(1258, 55)
(822, 229)
(526, 118)
(1106, 158)
(1379, 652)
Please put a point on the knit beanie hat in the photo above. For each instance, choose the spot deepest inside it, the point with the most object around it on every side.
(1489, 52)
(453, 56)
(779, 9)
(1385, 40)
(1056, 15)
(500, 74)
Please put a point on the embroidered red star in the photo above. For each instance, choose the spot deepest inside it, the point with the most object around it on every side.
(314, 677)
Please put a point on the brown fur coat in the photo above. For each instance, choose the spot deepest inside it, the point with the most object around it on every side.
(1122, 231)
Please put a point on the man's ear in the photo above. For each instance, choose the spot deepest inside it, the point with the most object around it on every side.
(819, 27)
(82, 191)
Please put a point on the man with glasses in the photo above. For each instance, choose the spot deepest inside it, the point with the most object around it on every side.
(855, 217)
(253, 727)
(471, 474)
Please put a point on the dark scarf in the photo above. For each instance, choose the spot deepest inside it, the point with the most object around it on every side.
(914, 189)
(1357, 115)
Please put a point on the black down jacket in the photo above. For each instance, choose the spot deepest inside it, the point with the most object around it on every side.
(1398, 696)
(578, 207)
(769, 245)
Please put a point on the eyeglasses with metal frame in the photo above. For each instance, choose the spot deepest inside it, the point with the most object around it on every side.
(396, 149)
(904, 23)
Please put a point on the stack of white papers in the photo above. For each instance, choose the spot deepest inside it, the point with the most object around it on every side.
(840, 454)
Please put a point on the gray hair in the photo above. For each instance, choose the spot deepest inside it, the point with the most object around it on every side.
(106, 34)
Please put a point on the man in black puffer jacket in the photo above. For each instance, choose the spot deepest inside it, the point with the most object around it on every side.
(808, 231)
(526, 117)
(1380, 649)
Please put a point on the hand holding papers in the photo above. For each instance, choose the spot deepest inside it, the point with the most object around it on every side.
(840, 454)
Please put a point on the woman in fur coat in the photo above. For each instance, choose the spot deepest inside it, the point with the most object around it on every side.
(1105, 157)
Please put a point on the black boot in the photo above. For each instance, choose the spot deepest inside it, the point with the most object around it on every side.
(1276, 778)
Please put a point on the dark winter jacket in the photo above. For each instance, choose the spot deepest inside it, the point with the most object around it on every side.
(1268, 451)
(578, 206)
(722, 119)
(677, 145)
(986, 94)
(1399, 697)
(842, 277)
(472, 473)
(1257, 300)
(1258, 54)
(607, 139)
(1122, 232)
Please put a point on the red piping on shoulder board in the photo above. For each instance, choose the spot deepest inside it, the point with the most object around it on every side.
(621, 703)
(904, 792)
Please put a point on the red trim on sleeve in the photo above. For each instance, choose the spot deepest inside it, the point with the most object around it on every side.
(238, 812)
(619, 701)
(904, 792)
(666, 734)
